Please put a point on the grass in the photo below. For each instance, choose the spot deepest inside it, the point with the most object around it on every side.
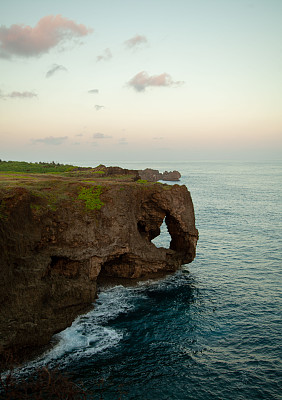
(56, 185)
(46, 192)
(91, 196)
(142, 181)
(89, 181)
(23, 169)
(40, 167)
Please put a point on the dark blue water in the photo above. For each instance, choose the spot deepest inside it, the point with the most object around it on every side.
(213, 329)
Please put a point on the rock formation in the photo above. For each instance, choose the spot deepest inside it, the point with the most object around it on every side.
(104, 171)
(153, 175)
(53, 248)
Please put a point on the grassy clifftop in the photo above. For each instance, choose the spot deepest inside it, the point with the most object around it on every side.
(38, 167)
(25, 169)
(51, 184)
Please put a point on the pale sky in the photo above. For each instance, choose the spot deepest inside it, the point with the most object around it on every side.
(140, 80)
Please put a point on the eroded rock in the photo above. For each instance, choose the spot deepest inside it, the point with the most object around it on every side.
(51, 255)
(153, 175)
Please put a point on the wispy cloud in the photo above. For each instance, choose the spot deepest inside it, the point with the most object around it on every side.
(98, 108)
(18, 95)
(135, 41)
(50, 140)
(142, 80)
(54, 69)
(26, 41)
(99, 135)
(106, 56)
(93, 91)
(158, 138)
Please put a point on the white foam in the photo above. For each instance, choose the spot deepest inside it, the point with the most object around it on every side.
(88, 334)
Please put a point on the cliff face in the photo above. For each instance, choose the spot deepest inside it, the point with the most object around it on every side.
(52, 249)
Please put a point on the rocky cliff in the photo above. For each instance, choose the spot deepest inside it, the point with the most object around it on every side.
(58, 234)
(153, 175)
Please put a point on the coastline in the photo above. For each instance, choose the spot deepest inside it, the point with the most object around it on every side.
(70, 228)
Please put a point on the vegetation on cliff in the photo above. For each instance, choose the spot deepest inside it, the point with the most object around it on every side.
(51, 184)
(60, 232)
(91, 196)
(37, 167)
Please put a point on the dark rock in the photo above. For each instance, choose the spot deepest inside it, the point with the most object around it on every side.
(171, 176)
(153, 175)
(50, 258)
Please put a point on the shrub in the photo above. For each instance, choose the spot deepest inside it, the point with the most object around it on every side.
(91, 196)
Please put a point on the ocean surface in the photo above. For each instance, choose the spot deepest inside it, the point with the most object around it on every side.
(212, 330)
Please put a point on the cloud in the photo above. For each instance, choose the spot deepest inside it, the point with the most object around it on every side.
(93, 91)
(142, 80)
(50, 140)
(99, 135)
(79, 134)
(22, 95)
(98, 108)
(18, 95)
(55, 68)
(135, 41)
(25, 41)
(106, 56)
(158, 138)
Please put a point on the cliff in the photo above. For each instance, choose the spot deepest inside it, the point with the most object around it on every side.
(58, 234)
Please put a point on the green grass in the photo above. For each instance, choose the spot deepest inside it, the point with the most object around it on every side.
(142, 181)
(41, 167)
(89, 181)
(91, 196)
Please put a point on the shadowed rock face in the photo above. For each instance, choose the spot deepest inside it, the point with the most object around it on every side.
(50, 259)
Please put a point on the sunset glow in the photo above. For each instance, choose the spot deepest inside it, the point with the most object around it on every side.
(113, 80)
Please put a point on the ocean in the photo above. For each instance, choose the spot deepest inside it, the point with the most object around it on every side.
(212, 330)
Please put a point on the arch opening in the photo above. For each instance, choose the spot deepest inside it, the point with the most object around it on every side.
(163, 239)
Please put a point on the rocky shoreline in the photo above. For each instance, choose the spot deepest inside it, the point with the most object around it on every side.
(53, 247)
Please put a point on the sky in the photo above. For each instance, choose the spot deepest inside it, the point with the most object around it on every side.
(151, 80)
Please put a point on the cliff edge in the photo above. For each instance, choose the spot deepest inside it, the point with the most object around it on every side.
(59, 233)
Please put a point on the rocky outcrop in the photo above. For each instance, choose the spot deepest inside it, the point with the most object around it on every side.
(103, 171)
(52, 248)
(153, 175)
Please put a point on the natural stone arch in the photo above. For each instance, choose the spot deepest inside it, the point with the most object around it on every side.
(163, 239)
